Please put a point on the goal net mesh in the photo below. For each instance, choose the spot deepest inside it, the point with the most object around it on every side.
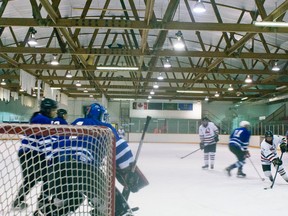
(48, 168)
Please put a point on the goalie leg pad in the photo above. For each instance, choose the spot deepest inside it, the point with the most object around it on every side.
(134, 181)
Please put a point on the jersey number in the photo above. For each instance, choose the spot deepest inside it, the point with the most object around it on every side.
(237, 133)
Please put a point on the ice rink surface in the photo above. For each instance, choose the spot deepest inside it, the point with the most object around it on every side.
(180, 186)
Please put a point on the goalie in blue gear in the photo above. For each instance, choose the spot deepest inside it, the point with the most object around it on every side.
(124, 159)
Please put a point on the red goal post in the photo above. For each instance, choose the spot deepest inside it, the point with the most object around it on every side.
(11, 174)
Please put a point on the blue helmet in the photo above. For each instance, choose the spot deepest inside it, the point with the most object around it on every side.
(95, 111)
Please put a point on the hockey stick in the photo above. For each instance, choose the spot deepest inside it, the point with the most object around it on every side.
(274, 175)
(126, 190)
(263, 179)
(190, 153)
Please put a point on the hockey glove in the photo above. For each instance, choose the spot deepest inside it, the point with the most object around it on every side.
(202, 146)
(277, 162)
(216, 138)
(247, 154)
(283, 146)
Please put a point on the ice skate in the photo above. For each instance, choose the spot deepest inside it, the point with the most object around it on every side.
(240, 174)
(205, 166)
(211, 166)
(228, 171)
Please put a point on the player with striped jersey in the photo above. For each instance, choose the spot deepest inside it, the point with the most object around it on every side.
(208, 133)
(269, 154)
(238, 145)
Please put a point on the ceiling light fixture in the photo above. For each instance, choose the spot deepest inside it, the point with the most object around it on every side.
(160, 77)
(206, 98)
(244, 98)
(167, 63)
(179, 43)
(3, 82)
(248, 79)
(116, 68)
(199, 7)
(217, 94)
(32, 41)
(152, 92)
(275, 67)
(85, 90)
(230, 88)
(123, 99)
(155, 86)
(78, 83)
(281, 87)
(271, 24)
(188, 91)
(69, 75)
(54, 61)
(149, 97)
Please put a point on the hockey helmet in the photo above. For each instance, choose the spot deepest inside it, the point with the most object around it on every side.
(61, 113)
(95, 111)
(47, 105)
(268, 134)
(244, 124)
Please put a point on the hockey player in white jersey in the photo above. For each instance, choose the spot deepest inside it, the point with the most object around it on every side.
(208, 133)
(269, 154)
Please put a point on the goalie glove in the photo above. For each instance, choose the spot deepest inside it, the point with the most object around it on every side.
(277, 162)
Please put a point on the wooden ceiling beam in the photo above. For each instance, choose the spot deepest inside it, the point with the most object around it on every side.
(134, 24)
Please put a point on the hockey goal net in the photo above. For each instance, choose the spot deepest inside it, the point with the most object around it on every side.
(98, 176)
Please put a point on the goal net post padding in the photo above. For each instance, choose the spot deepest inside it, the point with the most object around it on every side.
(64, 139)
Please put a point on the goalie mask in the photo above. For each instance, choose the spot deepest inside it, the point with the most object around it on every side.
(95, 111)
(47, 106)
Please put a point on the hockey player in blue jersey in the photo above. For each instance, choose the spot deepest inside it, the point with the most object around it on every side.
(97, 116)
(32, 152)
(61, 117)
(238, 145)
(94, 116)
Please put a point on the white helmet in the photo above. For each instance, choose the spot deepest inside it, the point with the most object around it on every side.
(244, 124)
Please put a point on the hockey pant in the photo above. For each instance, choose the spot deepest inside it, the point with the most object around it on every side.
(34, 169)
(66, 186)
(267, 172)
(240, 156)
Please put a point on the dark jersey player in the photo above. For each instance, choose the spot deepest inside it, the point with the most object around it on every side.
(61, 117)
(32, 153)
(238, 145)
